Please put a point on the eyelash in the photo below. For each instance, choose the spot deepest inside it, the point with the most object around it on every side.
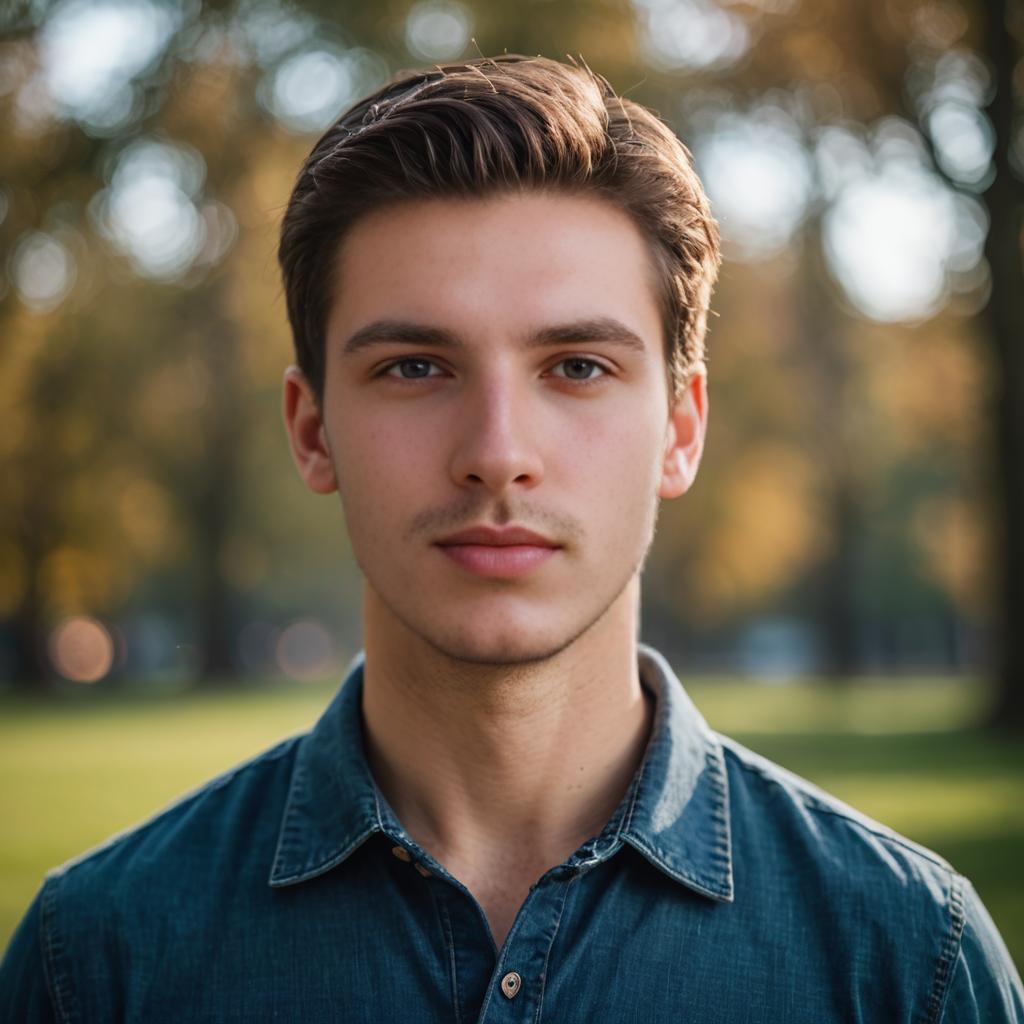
(385, 371)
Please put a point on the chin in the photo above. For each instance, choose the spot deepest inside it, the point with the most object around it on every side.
(522, 646)
(507, 633)
(489, 653)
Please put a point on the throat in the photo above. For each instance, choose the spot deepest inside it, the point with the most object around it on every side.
(500, 887)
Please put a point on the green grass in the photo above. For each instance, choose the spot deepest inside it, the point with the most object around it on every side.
(907, 754)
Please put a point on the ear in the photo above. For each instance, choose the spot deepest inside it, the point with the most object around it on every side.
(304, 422)
(684, 437)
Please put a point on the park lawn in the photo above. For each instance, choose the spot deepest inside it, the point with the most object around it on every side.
(906, 753)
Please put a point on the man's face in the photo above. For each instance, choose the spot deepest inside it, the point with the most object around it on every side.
(496, 362)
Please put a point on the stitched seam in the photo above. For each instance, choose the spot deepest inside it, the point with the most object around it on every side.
(720, 778)
(499, 964)
(950, 950)
(376, 805)
(813, 803)
(547, 956)
(320, 868)
(707, 887)
(51, 946)
(891, 837)
(660, 721)
(284, 844)
(218, 782)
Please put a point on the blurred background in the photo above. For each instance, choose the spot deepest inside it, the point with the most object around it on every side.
(844, 587)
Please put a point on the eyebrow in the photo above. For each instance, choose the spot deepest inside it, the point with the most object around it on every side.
(601, 329)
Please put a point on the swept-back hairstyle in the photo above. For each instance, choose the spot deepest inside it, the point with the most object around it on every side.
(493, 126)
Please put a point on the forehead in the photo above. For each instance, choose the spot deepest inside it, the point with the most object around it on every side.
(510, 263)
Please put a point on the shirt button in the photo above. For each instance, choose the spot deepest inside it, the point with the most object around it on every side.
(401, 853)
(422, 870)
(511, 984)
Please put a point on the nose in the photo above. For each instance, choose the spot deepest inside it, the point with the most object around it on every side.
(496, 439)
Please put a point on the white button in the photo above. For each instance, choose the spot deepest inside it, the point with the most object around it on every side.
(511, 984)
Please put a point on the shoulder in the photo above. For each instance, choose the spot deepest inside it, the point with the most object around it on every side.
(143, 890)
(873, 897)
(202, 830)
(883, 899)
(772, 799)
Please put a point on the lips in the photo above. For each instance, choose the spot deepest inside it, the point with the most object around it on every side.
(487, 551)
(500, 538)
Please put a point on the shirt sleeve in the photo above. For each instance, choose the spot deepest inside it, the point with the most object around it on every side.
(24, 993)
(985, 986)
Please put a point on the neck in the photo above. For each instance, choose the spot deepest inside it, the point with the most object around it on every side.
(479, 760)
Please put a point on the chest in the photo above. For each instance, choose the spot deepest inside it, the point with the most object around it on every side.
(381, 941)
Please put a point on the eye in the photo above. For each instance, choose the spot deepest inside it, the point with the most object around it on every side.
(579, 368)
(410, 369)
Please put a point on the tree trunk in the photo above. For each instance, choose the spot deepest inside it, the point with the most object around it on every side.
(835, 581)
(1004, 321)
(39, 521)
(213, 507)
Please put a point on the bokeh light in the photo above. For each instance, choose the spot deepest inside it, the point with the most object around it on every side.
(841, 158)
(893, 238)
(91, 52)
(305, 651)
(438, 30)
(691, 34)
(758, 177)
(81, 649)
(964, 142)
(267, 30)
(149, 210)
(308, 90)
(43, 270)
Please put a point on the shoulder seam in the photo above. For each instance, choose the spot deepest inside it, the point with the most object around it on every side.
(814, 802)
(51, 948)
(950, 950)
(274, 753)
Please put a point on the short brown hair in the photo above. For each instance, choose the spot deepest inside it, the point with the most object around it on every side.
(500, 125)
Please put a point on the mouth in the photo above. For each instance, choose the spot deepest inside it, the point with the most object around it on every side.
(506, 536)
(499, 560)
(507, 552)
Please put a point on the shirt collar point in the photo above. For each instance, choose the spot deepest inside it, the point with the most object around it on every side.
(716, 883)
(679, 820)
(332, 805)
(287, 870)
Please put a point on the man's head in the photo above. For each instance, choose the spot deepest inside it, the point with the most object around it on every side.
(494, 354)
(494, 126)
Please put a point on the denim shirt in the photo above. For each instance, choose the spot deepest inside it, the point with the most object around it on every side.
(723, 890)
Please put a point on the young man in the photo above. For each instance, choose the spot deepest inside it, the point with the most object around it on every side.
(497, 276)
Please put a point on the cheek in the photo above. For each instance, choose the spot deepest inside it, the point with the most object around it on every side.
(381, 453)
(381, 474)
(617, 468)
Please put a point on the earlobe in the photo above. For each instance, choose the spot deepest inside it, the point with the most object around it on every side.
(684, 441)
(306, 434)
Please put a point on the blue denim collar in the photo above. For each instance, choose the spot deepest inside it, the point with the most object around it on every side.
(675, 814)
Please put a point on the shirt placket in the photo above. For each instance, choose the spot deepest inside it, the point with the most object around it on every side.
(507, 984)
(515, 991)
(489, 985)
